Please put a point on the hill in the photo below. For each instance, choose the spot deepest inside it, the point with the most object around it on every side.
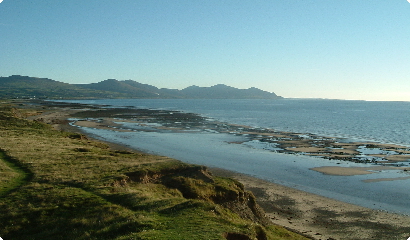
(140, 90)
(17, 86)
(118, 87)
(222, 91)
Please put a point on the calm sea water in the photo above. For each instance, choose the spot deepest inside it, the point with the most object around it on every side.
(387, 122)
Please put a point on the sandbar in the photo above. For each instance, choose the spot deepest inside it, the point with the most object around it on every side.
(350, 171)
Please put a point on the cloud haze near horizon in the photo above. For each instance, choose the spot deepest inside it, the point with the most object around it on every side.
(308, 49)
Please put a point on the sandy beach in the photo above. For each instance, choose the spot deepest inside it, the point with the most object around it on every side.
(309, 214)
(319, 217)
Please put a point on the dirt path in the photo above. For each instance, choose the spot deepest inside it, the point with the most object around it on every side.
(12, 174)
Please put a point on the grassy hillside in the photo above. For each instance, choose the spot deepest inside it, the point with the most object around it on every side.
(58, 185)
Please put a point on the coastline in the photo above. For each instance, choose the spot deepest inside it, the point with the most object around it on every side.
(320, 217)
(312, 215)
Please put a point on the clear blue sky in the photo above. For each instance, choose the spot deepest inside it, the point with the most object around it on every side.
(348, 49)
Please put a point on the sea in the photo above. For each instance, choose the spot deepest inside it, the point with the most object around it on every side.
(351, 120)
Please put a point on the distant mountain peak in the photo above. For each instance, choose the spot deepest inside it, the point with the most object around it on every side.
(222, 85)
(17, 86)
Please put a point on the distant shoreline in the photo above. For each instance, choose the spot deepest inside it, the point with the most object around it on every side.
(303, 212)
(44, 88)
(382, 154)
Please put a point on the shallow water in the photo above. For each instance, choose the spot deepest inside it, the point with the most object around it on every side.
(387, 122)
(214, 150)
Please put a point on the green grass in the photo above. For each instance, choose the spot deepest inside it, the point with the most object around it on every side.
(12, 176)
(57, 185)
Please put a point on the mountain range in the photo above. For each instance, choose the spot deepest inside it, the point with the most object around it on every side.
(17, 86)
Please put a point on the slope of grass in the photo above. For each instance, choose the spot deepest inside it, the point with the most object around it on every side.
(12, 176)
(80, 189)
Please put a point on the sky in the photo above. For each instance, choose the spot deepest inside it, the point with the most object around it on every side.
(349, 49)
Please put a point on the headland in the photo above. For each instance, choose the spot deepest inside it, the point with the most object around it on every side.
(312, 215)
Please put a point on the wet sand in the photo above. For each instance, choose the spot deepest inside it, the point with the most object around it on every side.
(350, 171)
(312, 215)
(319, 217)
